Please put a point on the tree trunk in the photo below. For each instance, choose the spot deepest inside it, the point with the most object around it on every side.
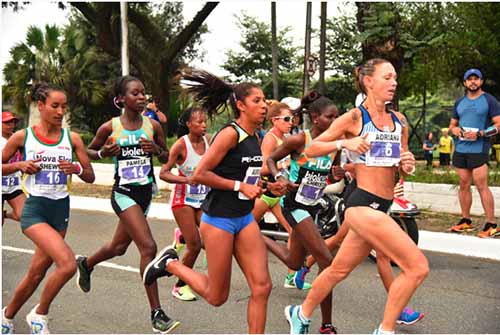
(307, 54)
(322, 48)
(274, 43)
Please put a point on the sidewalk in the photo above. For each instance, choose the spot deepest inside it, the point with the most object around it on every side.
(439, 242)
(435, 197)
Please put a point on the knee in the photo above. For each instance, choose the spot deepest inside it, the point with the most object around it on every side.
(67, 267)
(482, 187)
(262, 290)
(218, 300)
(465, 185)
(148, 249)
(419, 270)
(335, 275)
(120, 249)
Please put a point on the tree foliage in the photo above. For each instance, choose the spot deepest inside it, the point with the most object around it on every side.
(254, 60)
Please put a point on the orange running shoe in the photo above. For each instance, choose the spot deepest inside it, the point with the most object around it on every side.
(489, 230)
(463, 225)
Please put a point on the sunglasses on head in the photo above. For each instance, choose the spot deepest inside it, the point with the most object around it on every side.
(284, 118)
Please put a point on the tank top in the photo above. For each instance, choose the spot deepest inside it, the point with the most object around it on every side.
(242, 162)
(192, 195)
(385, 145)
(311, 175)
(284, 171)
(133, 166)
(50, 182)
(11, 182)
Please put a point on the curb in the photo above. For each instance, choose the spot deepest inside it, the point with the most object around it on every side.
(439, 242)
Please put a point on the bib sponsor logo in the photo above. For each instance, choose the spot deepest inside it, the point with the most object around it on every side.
(249, 159)
(132, 152)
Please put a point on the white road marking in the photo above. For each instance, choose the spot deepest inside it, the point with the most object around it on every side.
(103, 264)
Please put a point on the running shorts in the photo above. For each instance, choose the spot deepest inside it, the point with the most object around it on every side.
(41, 209)
(126, 196)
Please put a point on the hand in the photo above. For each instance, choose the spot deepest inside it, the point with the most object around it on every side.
(399, 190)
(110, 148)
(407, 162)
(470, 135)
(287, 183)
(277, 188)
(358, 144)
(250, 191)
(68, 168)
(30, 166)
(190, 181)
(149, 146)
(457, 131)
(338, 172)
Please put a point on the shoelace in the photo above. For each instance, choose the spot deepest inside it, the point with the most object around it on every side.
(304, 328)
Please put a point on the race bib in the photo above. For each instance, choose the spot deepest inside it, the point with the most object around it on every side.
(385, 149)
(51, 178)
(10, 181)
(134, 170)
(252, 177)
(197, 192)
(475, 130)
(308, 194)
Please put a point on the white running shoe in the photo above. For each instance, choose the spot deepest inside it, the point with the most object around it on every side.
(39, 324)
(7, 324)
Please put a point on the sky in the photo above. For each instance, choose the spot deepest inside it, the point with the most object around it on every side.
(223, 31)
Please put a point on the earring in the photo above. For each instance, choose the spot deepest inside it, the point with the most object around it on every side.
(115, 102)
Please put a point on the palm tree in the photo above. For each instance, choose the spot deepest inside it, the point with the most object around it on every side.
(37, 59)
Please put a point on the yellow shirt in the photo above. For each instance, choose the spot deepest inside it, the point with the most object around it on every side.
(445, 144)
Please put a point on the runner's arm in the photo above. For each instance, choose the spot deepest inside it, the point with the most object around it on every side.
(221, 144)
(102, 145)
(268, 145)
(15, 143)
(87, 175)
(175, 155)
(159, 140)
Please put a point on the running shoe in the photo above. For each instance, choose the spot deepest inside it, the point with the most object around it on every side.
(179, 242)
(489, 230)
(289, 283)
(83, 274)
(7, 324)
(39, 324)
(183, 293)
(379, 331)
(297, 324)
(161, 322)
(409, 317)
(327, 328)
(300, 276)
(463, 225)
(157, 267)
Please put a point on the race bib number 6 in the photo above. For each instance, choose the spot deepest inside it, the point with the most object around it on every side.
(51, 178)
(385, 149)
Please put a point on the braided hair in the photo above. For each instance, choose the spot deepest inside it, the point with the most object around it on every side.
(41, 91)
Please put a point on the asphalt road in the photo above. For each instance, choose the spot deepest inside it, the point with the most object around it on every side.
(461, 294)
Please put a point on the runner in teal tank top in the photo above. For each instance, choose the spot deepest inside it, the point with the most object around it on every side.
(47, 168)
(132, 140)
(307, 180)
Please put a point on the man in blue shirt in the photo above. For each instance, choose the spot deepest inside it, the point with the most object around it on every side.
(476, 116)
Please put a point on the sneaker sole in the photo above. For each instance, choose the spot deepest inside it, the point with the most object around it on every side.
(287, 316)
(169, 330)
(78, 282)
(179, 297)
(401, 322)
(288, 286)
(154, 261)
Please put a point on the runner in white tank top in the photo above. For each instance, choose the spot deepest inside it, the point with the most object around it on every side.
(186, 198)
(47, 168)
(11, 183)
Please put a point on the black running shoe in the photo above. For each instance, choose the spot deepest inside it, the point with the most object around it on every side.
(83, 276)
(157, 267)
(161, 322)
